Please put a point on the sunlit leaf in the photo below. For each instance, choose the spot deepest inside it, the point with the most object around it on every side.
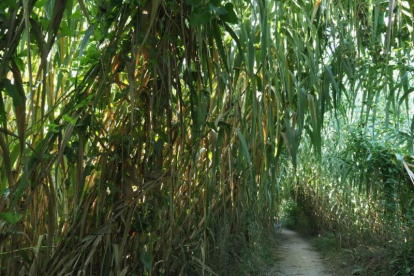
(11, 218)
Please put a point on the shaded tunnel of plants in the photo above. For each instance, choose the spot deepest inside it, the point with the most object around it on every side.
(137, 136)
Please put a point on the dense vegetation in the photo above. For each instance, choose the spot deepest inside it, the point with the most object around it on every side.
(147, 136)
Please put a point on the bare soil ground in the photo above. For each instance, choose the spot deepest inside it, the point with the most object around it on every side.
(297, 257)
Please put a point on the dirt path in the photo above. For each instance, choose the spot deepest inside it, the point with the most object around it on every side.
(298, 258)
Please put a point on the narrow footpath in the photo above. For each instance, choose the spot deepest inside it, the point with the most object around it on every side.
(297, 257)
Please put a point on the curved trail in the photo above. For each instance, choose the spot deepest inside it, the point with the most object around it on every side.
(297, 257)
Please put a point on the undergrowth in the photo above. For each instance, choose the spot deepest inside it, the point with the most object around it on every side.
(237, 257)
(364, 258)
